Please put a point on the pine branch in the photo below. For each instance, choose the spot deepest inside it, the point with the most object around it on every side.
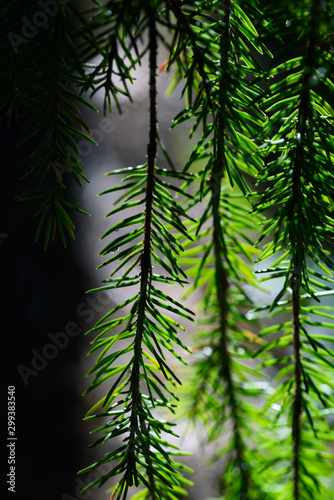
(275, 125)
(146, 265)
(219, 249)
(146, 458)
(299, 237)
(218, 374)
(111, 28)
(298, 250)
(41, 99)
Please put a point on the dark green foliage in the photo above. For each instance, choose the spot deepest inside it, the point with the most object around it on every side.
(298, 140)
(48, 109)
(256, 78)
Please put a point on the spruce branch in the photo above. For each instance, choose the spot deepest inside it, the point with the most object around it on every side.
(220, 253)
(298, 240)
(146, 458)
(219, 375)
(46, 104)
(146, 264)
(298, 250)
(255, 120)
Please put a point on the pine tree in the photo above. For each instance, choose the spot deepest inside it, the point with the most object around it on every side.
(256, 80)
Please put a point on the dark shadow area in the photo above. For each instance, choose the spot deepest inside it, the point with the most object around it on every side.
(39, 294)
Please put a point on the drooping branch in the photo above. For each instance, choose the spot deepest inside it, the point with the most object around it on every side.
(138, 423)
(297, 238)
(219, 245)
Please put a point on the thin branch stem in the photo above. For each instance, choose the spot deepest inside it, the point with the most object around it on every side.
(146, 265)
(297, 411)
(297, 237)
(222, 285)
